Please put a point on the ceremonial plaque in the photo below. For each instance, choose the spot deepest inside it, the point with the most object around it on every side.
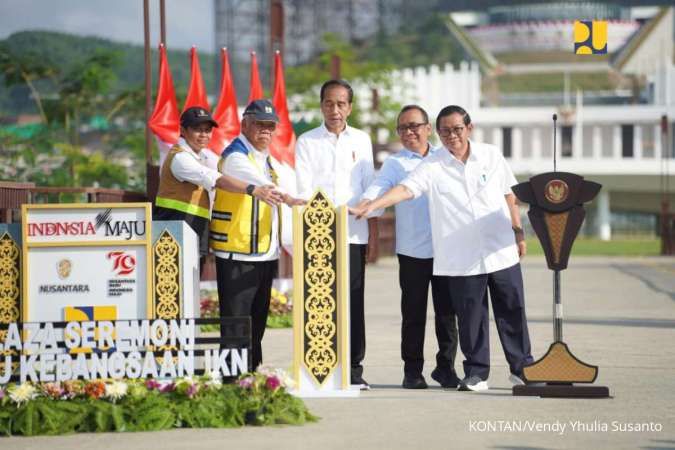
(556, 213)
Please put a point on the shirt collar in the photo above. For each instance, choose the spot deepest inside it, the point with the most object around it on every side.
(472, 153)
(250, 146)
(411, 154)
(327, 132)
(186, 147)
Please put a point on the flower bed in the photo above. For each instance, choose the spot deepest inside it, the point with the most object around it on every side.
(280, 313)
(258, 398)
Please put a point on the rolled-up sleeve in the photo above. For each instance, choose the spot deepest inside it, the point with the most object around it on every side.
(508, 179)
(186, 168)
(418, 181)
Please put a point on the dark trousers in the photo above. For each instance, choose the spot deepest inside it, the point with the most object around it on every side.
(470, 300)
(244, 290)
(357, 322)
(415, 275)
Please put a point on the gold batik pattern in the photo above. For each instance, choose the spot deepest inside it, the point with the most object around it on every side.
(556, 224)
(10, 285)
(167, 284)
(320, 304)
(167, 272)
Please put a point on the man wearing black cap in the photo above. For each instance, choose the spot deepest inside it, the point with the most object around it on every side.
(244, 232)
(185, 178)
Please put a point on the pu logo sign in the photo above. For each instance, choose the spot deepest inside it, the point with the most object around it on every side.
(123, 263)
(590, 37)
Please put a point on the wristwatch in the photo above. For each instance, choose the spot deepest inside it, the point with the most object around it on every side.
(518, 230)
(250, 188)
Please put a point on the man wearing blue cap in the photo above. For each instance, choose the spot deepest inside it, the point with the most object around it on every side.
(185, 179)
(245, 232)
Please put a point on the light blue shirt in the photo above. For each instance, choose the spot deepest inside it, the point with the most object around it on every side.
(413, 226)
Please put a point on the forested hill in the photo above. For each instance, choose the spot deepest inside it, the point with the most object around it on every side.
(65, 51)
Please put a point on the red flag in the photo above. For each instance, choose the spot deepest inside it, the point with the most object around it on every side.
(226, 113)
(256, 91)
(165, 120)
(282, 147)
(196, 92)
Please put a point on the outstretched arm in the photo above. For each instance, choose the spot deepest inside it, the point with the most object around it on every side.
(393, 196)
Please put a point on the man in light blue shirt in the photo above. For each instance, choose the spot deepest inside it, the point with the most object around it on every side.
(415, 256)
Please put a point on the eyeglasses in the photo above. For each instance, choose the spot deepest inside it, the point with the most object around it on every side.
(446, 132)
(409, 127)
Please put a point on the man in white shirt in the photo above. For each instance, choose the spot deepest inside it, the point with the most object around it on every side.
(338, 159)
(186, 178)
(477, 239)
(415, 258)
(245, 232)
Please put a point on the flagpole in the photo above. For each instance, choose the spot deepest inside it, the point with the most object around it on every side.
(148, 97)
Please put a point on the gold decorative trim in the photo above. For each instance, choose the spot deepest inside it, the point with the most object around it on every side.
(10, 285)
(342, 266)
(320, 302)
(166, 277)
(298, 293)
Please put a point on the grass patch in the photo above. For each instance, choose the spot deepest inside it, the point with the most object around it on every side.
(596, 247)
(554, 82)
(548, 57)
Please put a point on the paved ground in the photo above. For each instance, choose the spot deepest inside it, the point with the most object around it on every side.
(621, 317)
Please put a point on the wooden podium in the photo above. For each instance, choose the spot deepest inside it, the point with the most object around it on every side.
(556, 213)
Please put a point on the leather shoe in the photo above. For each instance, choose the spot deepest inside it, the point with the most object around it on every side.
(445, 379)
(357, 380)
(414, 382)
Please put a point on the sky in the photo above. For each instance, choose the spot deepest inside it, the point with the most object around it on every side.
(188, 22)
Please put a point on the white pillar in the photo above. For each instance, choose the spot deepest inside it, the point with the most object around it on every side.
(604, 225)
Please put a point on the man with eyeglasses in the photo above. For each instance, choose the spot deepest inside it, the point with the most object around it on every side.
(477, 241)
(338, 159)
(415, 258)
(245, 232)
(186, 178)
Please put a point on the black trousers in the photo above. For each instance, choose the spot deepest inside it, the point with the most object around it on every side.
(357, 322)
(415, 275)
(244, 290)
(470, 300)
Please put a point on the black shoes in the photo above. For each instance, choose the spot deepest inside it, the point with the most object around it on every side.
(414, 382)
(447, 379)
(358, 380)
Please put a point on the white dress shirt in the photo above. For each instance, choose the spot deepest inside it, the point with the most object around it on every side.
(341, 165)
(193, 167)
(239, 166)
(470, 219)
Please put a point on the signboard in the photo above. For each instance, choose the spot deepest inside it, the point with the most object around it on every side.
(86, 255)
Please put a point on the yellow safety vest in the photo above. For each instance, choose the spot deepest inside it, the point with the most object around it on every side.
(240, 223)
(179, 195)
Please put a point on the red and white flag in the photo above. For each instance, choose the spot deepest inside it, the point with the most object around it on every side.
(256, 91)
(165, 119)
(282, 147)
(226, 113)
(196, 95)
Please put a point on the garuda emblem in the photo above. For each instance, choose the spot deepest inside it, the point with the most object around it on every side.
(556, 191)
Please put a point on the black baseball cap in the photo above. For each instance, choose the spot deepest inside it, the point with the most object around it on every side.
(261, 110)
(196, 115)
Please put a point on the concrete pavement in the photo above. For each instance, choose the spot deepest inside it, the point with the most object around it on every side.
(620, 316)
